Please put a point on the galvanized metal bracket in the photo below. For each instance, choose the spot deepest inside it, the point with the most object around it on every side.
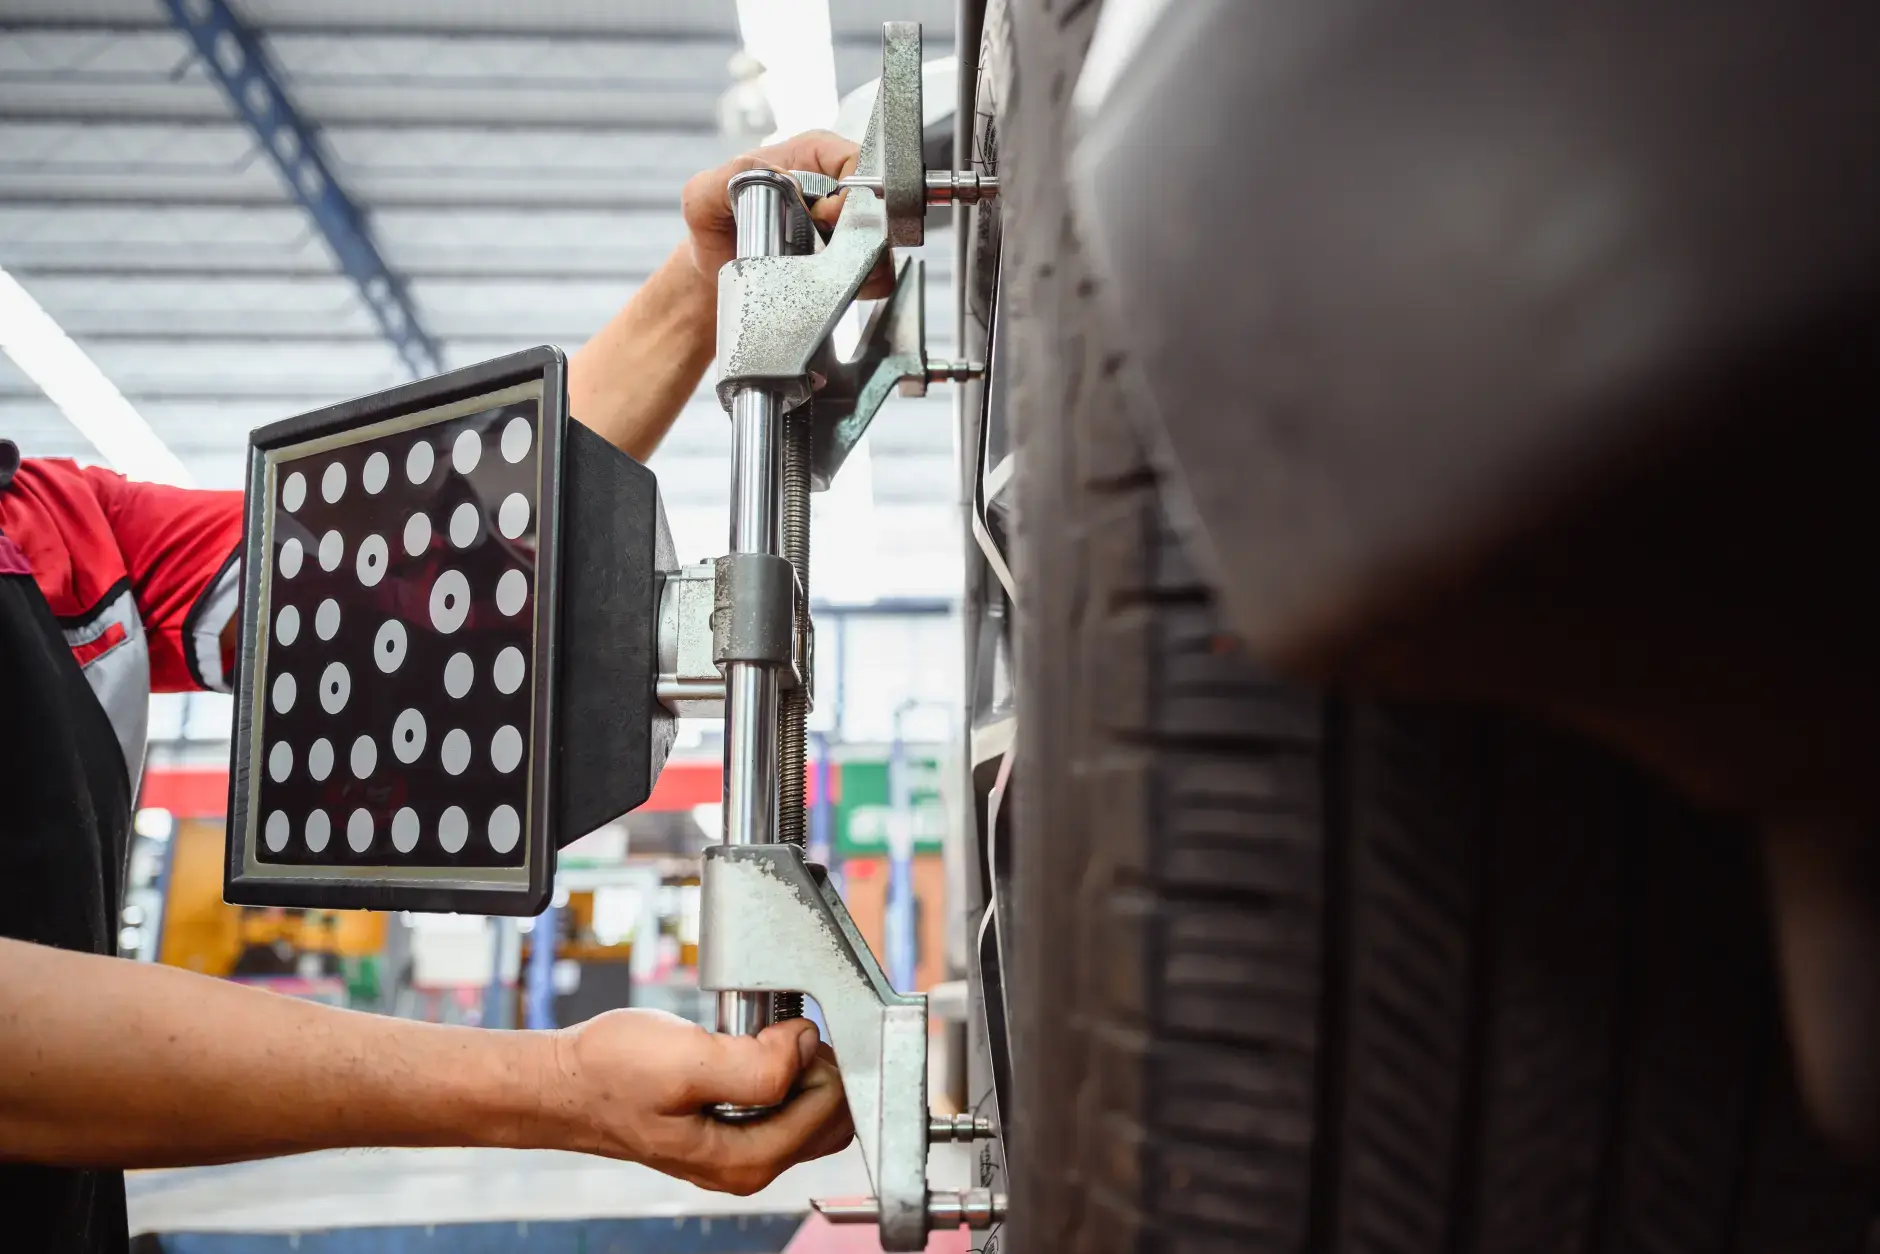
(775, 313)
(896, 132)
(893, 352)
(771, 922)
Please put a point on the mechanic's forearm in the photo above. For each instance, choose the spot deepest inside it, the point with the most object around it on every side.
(106, 1062)
(629, 382)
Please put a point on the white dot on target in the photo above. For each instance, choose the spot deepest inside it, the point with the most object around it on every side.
(463, 525)
(455, 751)
(419, 461)
(333, 483)
(466, 452)
(332, 548)
(320, 758)
(319, 830)
(294, 492)
(359, 830)
(453, 828)
(508, 670)
(505, 827)
(373, 556)
(506, 749)
(408, 737)
(365, 757)
(511, 591)
(283, 692)
(417, 534)
(450, 601)
(276, 831)
(458, 674)
(405, 830)
(326, 619)
(517, 437)
(287, 625)
(378, 470)
(291, 555)
(388, 647)
(335, 687)
(512, 517)
(280, 761)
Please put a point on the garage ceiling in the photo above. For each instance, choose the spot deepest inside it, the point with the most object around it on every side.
(518, 165)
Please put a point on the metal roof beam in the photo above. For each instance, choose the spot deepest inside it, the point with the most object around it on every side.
(234, 57)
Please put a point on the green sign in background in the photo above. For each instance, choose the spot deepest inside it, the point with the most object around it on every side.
(862, 814)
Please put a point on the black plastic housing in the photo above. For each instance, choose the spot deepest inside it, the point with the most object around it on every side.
(614, 734)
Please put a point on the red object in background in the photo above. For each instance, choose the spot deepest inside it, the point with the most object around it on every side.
(187, 792)
(819, 1236)
(683, 785)
(202, 792)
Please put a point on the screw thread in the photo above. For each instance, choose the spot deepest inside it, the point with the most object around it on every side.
(793, 707)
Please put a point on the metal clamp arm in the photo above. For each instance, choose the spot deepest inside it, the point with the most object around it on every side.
(771, 922)
(774, 313)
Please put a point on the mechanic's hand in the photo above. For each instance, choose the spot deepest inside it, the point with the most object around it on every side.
(707, 200)
(637, 1082)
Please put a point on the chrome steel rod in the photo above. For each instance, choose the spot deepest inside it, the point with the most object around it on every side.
(757, 205)
(750, 804)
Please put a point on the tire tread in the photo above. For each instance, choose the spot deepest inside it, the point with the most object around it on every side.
(1307, 971)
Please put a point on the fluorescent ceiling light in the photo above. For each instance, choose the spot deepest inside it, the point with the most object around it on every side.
(73, 382)
(792, 40)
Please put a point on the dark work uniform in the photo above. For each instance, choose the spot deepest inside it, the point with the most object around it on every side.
(65, 814)
(65, 799)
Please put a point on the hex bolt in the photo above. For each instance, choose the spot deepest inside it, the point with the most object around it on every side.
(971, 1208)
(944, 1128)
(944, 187)
(966, 187)
(955, 371)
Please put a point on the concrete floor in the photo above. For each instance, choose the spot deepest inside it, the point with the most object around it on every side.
(393, 1188)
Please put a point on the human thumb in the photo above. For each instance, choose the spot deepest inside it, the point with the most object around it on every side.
(806, 1037)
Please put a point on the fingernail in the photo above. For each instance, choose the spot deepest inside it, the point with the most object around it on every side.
(806, 1044)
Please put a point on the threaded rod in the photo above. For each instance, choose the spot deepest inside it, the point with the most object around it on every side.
(793, 706)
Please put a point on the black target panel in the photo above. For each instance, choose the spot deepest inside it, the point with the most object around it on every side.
(449, 646)
(395, 708)
(397, 713)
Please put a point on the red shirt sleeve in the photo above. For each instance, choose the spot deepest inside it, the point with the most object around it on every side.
(86, 532)
(180, 547)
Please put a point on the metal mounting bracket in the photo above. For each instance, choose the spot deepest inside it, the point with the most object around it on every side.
(893, 350)
(771, 922)
(774, 313)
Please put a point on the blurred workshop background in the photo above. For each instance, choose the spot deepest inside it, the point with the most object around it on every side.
(218, 213)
